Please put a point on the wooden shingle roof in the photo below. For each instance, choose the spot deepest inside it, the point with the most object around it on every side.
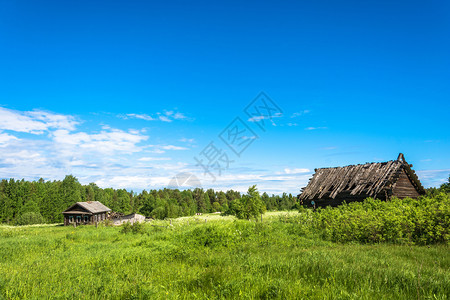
(369, 179)
(93, 207)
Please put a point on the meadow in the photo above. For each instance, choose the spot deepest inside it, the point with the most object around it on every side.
(210, 257)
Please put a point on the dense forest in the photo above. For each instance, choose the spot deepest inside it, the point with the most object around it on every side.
(25, 202)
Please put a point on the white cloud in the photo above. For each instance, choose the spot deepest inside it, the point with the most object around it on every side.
(165, 119)
(296, 171)
(433, 177)
(300, 113)
(54, 120)
(178, 167)
(264, 117)
(253, 137)
(140, 116)
(154, 158)
(127, 181)
(257, 118)
(185, 140)
(315, 128)
(105, 142)
(158, 151)
(172, 147)
(114, 157)
(6, 138)
(23, 155)
(34, 122)
(166, 147)
(134, 131)
(166, 116)
(179, 116)
(268, 181)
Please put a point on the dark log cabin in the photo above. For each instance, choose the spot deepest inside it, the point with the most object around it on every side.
(85, 213)
(332, 186)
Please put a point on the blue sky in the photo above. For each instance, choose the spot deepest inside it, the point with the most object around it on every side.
(128, 93)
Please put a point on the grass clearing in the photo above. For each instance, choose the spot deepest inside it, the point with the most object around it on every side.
(220, 258)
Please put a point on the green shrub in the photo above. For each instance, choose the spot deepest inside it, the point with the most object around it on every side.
(248, 207)
(159, 213)
(30, 218)
(135, 228)
(419, 221)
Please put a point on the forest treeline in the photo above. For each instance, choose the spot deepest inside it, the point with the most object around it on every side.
(28, 202)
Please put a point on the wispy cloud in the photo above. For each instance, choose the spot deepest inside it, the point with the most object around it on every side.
(433, 177)
(165, 116)
(264, 117)
(300, 113)
(34, 122)
(105, 142)
(113, 157)
(186, 140)
(296, 171)
(154, 158)
(267, 181)
(140, 116)
(6, 138)
(179, 116)
(172, 147)
(253, 137)
(160, 148)
(315, 128)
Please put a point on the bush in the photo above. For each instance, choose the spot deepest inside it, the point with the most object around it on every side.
(30, 218)
(135, 228)
(159, 213)
(421, 221)
(247, 207)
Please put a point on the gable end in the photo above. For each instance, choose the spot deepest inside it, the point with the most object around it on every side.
(403, 187)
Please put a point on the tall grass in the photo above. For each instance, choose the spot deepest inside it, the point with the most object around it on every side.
(219, 258)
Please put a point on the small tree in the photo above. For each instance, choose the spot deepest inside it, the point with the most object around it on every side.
(445, 187)
(30, 218)
(250, 205)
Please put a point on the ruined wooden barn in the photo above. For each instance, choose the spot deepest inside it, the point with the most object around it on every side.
(89, 212)
(332, 186)
(131, 218)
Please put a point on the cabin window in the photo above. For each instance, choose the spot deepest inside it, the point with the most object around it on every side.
(86, 218)
(70, 219)
(78, 219)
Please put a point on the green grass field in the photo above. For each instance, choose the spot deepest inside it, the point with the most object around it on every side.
(189, 258)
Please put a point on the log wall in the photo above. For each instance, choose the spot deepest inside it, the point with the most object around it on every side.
(404, 188)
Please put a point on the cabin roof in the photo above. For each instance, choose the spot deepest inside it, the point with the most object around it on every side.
(369, 178)
(93, 207)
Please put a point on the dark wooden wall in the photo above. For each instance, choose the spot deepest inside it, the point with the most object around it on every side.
(341, 197)
(404, 188)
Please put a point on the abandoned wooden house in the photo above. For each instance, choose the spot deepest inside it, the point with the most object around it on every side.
(332, 186)
(85, 213)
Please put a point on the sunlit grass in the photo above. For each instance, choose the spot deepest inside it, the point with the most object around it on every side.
(189, 258)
